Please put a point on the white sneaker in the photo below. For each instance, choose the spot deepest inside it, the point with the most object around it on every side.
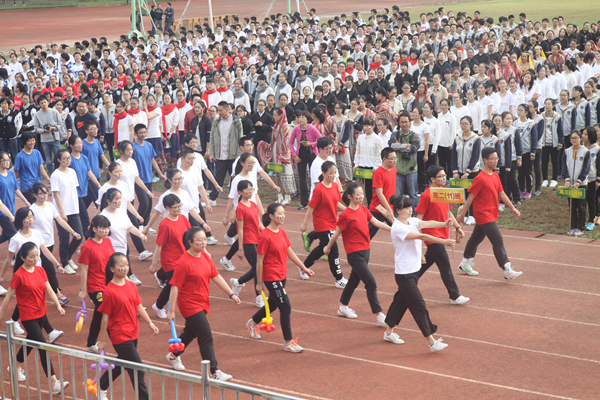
(468, 268)
(3, 291)
(347, 312)
(470, 221)
(227, 264)
(393, 337)
(381, 320)
(103, 394)
(221, 376)
(135, 280)
(160, 312)
(68, 270)
(151, 231)
(161, 283)
(73, 265)
(55, 334)
(211, 240)
(176, 363)
(213, 203)
(460, 300)
(545, 183)
(93, 349)
(260, 303)
(17, 329)
(501, 207)
(286, 200)
(236, 287)
(303, 275)
(229, 240)
(59, 387)
(553, 184)
(509, 273)
(292, 346)
(340, 284)
(20, 374)
(144, 255)
(141, 228)
(437, 345)
(254, 330)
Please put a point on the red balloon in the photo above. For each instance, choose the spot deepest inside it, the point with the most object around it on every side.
(262, 326)
(270, 328)
(181, 346)
(172, 348)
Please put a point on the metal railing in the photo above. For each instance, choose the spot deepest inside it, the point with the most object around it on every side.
(172, 384)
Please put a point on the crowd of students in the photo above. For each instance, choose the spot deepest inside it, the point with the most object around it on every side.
(413, 102)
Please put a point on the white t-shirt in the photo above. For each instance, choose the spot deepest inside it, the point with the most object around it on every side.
(315, 172)
(124, 130)
(125, 195)
(233, 192)
(119, 224)
(191, 180)
(199, 164)
(186, 203)
(501, 104)
(44, 217)
(154, 124)
(485, 103)
(130, 171)
(407, 252)
(66, 185)
(19, 240)
(460, 112)
(253, 174)
(420, 130)
(434, 132)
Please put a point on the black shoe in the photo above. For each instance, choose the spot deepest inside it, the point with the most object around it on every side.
(302, 208)
(517, 204)
(537, 192)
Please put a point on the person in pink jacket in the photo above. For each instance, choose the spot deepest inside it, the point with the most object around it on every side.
(303, 146)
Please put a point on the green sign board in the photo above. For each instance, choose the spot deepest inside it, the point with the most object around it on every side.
(363, 173)
(571, 193)
(273, 167)
(461, 183)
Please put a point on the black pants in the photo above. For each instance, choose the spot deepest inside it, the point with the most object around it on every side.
(592, 201)
(8, 229)
(421, 172)
(578, 213)
(33, 328)
(250, 254)
(163, 297)
(231, 232)
(67, 243)
(278, 299)
(317, 252)
(303, 165)
(359, 261)
(549, 153)
(513, 185)
(436, 253)
(409, 297)
(96, 298)
(16, 315)
(127, 351)
(445, 155)
(145, 206)
(432, 159)
(109, 140)
(537, 169)
(492, 231)
(92, 196)
(222, 168)
(372, 228)
(525, 178)
(137, 242)
(194, 222)
(50, 271)
(84, 216)
(197, 327)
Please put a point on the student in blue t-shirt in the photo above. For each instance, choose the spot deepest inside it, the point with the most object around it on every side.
(144, 156)
(9, 187)
(29, 165)
(92, 149)
(81, 165)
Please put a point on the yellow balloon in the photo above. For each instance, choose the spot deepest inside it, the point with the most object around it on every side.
(79, 324)
(268, 319)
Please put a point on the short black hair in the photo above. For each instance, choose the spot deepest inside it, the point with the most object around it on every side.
(487, 152)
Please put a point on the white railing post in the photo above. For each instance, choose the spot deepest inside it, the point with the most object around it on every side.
(14, 380)
(205, 377)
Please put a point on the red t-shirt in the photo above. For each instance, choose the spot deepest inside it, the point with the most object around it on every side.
(433, 212)
(170, 237)
(486, 189)
(53, 91)
(274, 245)
(122, 81)
(385, 180)
(120, 304)
(95, 256)
(30, 288)
(324, 202)
(355, 228)
(18, 101)
(250, 217)
(192, 277)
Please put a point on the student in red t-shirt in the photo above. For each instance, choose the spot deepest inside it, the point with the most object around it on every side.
(169, 248)
(353, 224)
(273, 249)
(323, 207)
(483, 194)
(95, 253)
(30, 284)
(190, 290)
(121, 304)
(436, 252)
(249, 226)
(384, 186)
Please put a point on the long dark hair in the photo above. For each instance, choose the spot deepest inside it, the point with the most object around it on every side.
(266, 218)
(23, 251)
(111, 168)
(99, 221)
(326, 166)
(108, 196)
(188, 236)
(243, 158)
(112, 261)
(400, 202)
(243, 185)
(58, 157)
(170, 175)
(350, 189)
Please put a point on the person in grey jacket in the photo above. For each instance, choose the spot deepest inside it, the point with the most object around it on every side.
(225, 133)
(405, 143)
(169, 17)
(46, 123)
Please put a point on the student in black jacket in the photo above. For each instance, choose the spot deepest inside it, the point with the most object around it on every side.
(295, 104)
(362, 87)
(263, 124)
(247, 123)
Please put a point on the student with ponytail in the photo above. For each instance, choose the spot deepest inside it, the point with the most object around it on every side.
(353, 224)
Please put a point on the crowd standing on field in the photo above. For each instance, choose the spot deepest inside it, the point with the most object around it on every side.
(413, 100)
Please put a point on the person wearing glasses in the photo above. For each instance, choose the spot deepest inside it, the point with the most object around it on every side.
(483, 195)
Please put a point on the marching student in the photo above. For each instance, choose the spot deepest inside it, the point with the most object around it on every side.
(436, 252)
(30, 284)
(525, 128)
(29, 165)
(9, 188)
(576, 169)
(95, 253)
(353, 225)
(323, 207)
(273, 250)
(190, 290)
(590, 137)
(120, 307)
(407, 242)
(483, 195)
(93, 150)
(384, 185)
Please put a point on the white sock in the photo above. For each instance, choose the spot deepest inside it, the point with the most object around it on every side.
(464, 261)
(507, 267)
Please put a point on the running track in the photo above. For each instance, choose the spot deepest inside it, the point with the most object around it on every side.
(533, 338)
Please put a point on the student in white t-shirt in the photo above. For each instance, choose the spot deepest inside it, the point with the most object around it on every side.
(324, 147)
(407, 240)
